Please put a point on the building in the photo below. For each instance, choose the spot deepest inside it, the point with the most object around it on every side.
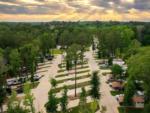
(138, 101)
(117, 85)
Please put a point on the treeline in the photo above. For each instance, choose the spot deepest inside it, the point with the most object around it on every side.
(19, 40)
(23, 44)
(113, 41)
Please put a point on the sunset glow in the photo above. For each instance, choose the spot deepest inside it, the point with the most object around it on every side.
(74, 10)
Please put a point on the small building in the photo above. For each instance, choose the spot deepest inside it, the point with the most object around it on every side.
(138, 101)
(119, 62)
(117, 85)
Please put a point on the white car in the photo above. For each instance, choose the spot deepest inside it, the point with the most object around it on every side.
(12, 81)
(36, 77)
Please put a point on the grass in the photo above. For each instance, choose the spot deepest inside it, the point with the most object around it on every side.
(57, 51)
(78, 108)
(63, 65)
(56, 90)
(62, 70)
(114, 93)
(105, 73)
(88, 93)
(79, 72)
(130, 110)
(33, 85)
(80, 77)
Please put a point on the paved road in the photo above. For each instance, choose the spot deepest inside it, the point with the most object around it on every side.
(106, 98)
(41, 92)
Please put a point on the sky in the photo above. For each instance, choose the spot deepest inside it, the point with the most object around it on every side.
(74, 10)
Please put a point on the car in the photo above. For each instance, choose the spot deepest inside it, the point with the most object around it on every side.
(49, 57)
(103, 66)
(36, 77)
(12, 81)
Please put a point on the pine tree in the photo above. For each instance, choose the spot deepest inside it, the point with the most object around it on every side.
(64, 100)
(95, 85)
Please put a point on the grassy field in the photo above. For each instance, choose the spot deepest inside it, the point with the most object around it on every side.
(62, 70)
(56, 51)
(56, 90)
(78, 108)
(80, 77)
(114, 93)
(133, 110)
(63, 65)
(79, 72)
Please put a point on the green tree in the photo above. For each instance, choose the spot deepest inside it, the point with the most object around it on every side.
(15, 61)
(32, 60)
(112, 39)
(51, 105)
(69, 59)
(95, 83)
(82, 102)
(14, 105)
(93, 106)
(139, 68)
(132, 49)
(64, 100)
(29, 98)
(53, 83)
(73, 53)
(129, 92)
(47, 42)
(3, 70)
(81, 55)
(28, 54)
(116, 70)
(147, 108)
(75, 57)
(110, 61)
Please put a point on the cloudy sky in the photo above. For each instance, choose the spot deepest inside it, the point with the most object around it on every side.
(74, 10)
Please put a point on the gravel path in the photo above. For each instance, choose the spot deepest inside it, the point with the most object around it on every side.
(106, 99)
(41, 92)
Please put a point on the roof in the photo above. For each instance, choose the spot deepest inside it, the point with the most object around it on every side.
(117, 84)
(118, 61)
(135, 99)
(138, 99)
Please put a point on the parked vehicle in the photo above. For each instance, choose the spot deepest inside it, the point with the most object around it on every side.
(36, 77)
(49, 57)
(12, 81)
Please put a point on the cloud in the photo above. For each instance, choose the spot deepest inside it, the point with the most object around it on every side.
(76, 9)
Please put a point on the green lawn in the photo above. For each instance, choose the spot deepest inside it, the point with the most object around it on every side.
(56, 90)
(63, 65)
(80, 77)
(79, 72)
(130, 110)
(114, 93)
(77, 109)
(57, 51)
(62, 70)
(34, 85)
